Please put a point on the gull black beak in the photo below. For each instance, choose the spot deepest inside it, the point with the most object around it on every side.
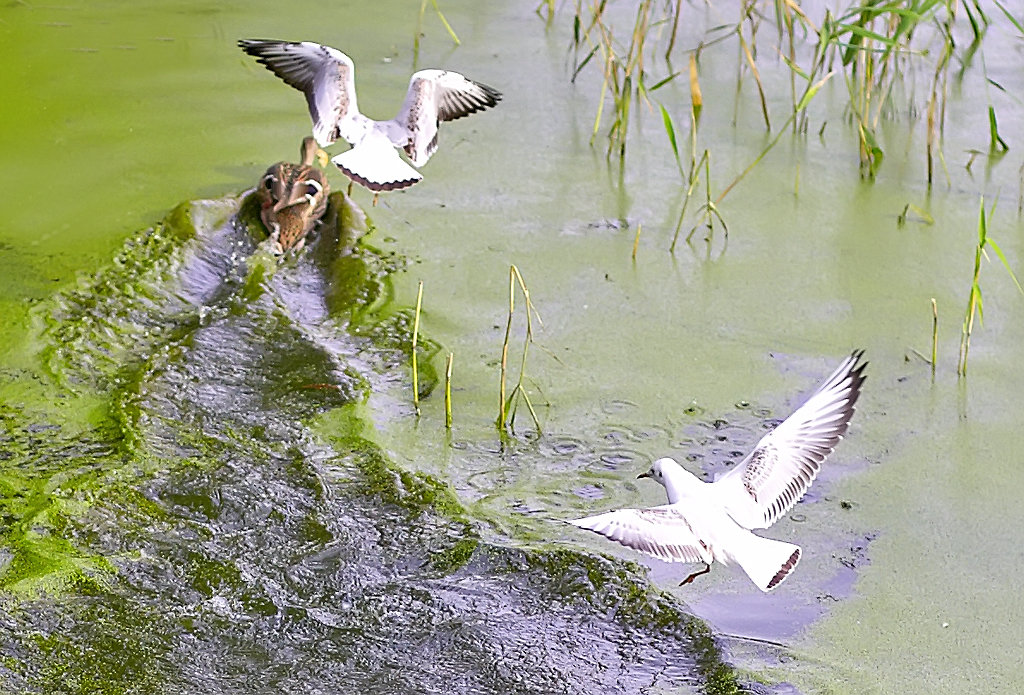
(644, 475)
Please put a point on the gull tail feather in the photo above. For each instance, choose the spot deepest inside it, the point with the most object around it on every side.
(379, 168)
(767, 562)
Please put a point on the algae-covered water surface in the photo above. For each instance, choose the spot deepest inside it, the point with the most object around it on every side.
(212, 474)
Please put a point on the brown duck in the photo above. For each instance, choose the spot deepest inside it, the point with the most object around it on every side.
(292, 198)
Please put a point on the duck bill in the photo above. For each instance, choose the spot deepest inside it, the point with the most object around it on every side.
(643, 475)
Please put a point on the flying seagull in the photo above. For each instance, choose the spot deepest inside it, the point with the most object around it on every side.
(327, 77)
(705, 522)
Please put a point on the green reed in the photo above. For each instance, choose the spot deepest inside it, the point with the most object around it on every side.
(911, 209)
(624, 78)
(508, 404)
(419, 28)
(448, 390)
(871, 44)
(974, 297)
(549, 7)
(415, 340)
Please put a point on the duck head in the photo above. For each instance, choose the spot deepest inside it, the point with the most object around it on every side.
(293, 197)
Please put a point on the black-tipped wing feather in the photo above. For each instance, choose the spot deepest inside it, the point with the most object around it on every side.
(659, 531)
(323, 74)
(326, 77)
(777, 473)
(435, 96)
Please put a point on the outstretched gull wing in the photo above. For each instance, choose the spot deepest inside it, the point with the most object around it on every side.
(324, 74)
(435, 96)
(777, 473)
(661, 531)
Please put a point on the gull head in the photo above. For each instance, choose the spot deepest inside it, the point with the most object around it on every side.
(674, 478)
(660, 469)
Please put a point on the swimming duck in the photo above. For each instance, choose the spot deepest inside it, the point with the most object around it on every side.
(327, 77)
(293, 197)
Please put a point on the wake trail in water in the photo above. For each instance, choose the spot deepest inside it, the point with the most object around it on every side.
(259, 541)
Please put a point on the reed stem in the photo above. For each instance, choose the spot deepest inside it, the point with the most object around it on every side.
(448, 391)
(415, 340)
(509, 405)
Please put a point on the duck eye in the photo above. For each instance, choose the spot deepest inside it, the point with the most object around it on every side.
(268, 182)
(313, 188)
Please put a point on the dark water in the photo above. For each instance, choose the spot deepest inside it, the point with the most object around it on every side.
(225, 526)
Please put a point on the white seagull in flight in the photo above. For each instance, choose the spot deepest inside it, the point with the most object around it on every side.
(327, 77)
(705, 522)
